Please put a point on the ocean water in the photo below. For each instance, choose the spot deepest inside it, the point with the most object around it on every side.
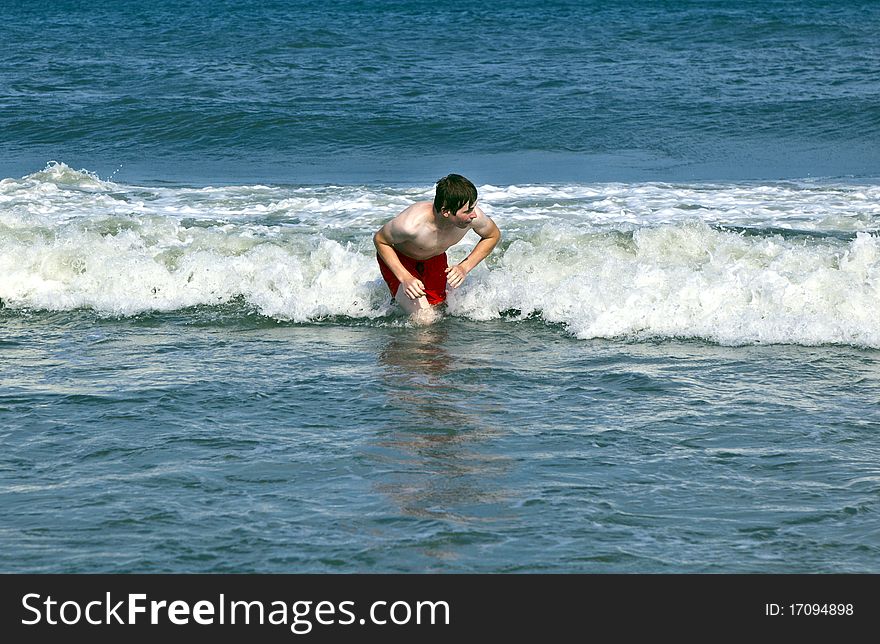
(392, 91)
(671, 363)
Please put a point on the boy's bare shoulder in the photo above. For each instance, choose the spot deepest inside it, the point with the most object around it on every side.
(416, 215)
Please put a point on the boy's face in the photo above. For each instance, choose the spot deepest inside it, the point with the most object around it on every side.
(464, 216)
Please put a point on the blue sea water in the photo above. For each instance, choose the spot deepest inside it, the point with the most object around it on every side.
(321, 91)
(671, 363)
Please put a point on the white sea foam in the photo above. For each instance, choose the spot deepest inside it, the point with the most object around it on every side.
(687, 280)
(158, 265)
(732, 263)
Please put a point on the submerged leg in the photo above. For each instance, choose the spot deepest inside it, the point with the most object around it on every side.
(421, 313)
(411, 306)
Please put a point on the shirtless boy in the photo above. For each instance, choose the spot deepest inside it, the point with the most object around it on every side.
(411, 248)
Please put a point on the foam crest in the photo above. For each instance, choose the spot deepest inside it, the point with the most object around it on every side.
(687, 281)
(158, 265)
(791, 206)
(731, 263)
(59, 193)
(60, 174)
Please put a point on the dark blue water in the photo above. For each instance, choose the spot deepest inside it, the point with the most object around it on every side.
(669, 364)
(396, 91)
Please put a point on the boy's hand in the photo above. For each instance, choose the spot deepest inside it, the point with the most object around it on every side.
(455, 275)
(413, 288)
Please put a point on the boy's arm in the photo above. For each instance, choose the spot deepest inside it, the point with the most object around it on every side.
(490, 235)
(384, 240)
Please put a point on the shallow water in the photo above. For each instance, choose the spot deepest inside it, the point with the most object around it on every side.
(178, 443)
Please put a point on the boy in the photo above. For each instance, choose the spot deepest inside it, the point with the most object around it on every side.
(411, 248)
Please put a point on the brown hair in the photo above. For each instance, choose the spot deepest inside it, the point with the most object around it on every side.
(454, 191)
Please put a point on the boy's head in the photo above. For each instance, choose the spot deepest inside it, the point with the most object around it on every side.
(453, 192)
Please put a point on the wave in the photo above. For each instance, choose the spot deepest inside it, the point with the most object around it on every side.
(692, 281)
(728, 263)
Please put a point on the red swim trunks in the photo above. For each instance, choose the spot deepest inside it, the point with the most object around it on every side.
(432, 273)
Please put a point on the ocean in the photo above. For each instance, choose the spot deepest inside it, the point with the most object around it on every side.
(670, 363)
